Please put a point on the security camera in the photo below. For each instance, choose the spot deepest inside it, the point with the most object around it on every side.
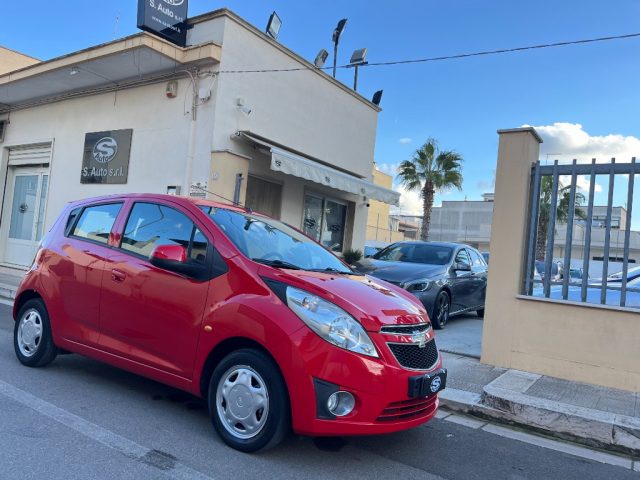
(244, 109)
(366, 204)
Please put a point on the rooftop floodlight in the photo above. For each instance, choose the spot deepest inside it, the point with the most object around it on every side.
(336, 39)
(273, 26)
(377, 97)
(357, 60)
(321, 58)
(358, 57)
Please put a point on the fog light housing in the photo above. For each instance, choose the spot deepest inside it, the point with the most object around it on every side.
(341, 403)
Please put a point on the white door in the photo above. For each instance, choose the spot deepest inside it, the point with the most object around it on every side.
(24, 213)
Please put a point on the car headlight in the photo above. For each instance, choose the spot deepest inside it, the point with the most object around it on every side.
(330, 322)
(419, 285)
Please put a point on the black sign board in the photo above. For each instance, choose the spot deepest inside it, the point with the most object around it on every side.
(165, 18)
(106, 157)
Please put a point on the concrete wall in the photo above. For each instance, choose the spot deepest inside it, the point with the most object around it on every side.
(10, 60)
(158, 147)
(582, 343)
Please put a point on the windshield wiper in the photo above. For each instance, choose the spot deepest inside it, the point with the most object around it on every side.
(277, 263)
(333, 270)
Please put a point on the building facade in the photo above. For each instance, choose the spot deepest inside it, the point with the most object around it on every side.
(142, 115)
(382, 228)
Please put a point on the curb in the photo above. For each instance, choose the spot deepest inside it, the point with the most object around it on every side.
(594, 428)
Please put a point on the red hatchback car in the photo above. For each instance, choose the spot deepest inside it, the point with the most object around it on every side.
(238, 308)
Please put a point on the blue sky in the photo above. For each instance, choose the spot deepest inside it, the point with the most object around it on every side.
(589, 91)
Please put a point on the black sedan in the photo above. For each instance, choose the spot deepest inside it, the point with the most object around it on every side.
(448, 278)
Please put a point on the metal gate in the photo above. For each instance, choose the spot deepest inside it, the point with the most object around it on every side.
(562, 287)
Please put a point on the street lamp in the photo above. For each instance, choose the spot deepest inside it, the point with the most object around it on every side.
(336, 38)
(357, 59)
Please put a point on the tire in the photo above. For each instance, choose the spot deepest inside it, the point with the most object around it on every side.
(441, 310)
(32, 339)
(254, 385)
(480, 313)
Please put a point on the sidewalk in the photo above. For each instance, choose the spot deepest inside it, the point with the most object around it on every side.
(8, 285)
(592, 415)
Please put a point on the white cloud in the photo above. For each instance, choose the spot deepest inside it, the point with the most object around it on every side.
(410, 202)
(566, 141)
(388, 168)
(405, 140)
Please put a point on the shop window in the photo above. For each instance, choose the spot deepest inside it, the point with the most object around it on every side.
(324, 220)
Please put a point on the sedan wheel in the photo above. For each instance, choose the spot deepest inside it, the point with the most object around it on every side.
(441, 310)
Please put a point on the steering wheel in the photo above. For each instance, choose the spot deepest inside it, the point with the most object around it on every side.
(275, 255)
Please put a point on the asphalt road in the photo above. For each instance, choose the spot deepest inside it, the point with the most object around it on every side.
(79, 419)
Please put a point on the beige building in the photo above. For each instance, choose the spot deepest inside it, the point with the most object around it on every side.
(11, 60)
(184, 121)
(382, 229)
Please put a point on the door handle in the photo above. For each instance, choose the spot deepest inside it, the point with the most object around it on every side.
(118, 275)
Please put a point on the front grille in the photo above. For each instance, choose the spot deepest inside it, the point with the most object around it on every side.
(406, 329)
(408, 409)
(410, 355)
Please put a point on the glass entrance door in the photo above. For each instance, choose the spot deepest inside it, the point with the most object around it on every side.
(26, 213)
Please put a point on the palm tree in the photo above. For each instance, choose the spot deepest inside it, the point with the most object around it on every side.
(429, 171)
(562, 211)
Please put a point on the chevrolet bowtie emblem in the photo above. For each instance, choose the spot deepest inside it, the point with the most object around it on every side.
(420, 338)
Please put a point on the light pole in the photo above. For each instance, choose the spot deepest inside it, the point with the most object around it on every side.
(336, 38)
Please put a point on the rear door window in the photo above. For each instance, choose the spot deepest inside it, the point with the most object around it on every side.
(96, 221)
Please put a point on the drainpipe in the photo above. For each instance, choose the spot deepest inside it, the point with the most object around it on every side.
(191, 146)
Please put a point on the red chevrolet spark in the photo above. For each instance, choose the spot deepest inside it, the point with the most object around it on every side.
(274, 331)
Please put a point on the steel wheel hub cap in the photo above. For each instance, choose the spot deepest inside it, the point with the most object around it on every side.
(242, 402)
(29, 333)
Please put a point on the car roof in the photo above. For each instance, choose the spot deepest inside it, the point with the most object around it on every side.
(179, 199)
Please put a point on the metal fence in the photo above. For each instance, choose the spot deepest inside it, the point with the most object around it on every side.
(561, 201)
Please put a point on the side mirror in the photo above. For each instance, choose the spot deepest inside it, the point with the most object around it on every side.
(462, 267)
(169, 253)
(174, 259)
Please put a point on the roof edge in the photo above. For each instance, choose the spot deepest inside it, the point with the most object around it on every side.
(531, 130)
(225, 12)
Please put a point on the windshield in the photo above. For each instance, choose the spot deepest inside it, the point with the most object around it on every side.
(270, 241)
(416, 253)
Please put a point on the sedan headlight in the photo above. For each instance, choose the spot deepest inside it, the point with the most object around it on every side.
(330, 322)
(419, 285)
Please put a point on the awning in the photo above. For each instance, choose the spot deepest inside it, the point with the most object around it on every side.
(291, 163)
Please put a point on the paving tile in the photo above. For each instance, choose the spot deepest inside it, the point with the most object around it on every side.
(584, 395)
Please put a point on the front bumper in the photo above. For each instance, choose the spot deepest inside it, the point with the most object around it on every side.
(380, 387)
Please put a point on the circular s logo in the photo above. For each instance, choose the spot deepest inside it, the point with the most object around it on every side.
(175, 3)
(435, 384)
(105, 149)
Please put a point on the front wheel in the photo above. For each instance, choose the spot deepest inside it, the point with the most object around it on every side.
(441, 310)
(32, 339)
(248, 401)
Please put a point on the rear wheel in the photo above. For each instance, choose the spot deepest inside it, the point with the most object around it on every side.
(441, 310)
(248, 401)
(32, 340)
